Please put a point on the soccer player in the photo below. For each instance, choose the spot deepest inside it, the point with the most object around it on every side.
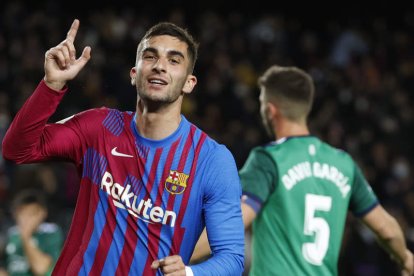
(33, 245)
(151, 180)
(297, 190)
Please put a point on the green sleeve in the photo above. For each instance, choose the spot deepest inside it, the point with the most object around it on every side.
(363, 198)
(259, 174)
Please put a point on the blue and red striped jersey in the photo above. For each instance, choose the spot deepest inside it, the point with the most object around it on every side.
(139, 199)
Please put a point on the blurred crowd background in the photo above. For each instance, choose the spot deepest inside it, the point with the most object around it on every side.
(362, 63)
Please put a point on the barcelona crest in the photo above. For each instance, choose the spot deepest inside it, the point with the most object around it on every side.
(176, 182)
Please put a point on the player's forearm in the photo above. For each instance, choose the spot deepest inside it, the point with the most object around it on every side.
(28, 125)
(202, 249)
(39, 261)
(392, 239)
(221, 264)
(227, 246)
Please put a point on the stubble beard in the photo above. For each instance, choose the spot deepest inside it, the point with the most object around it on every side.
(160, 97)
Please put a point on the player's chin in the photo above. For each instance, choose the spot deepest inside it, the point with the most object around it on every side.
(158, 98)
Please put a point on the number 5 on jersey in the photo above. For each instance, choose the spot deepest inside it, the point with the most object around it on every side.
(314, 252)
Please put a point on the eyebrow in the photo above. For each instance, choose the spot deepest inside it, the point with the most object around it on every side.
(169, 53)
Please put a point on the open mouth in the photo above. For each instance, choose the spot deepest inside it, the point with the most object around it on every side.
(157, 81)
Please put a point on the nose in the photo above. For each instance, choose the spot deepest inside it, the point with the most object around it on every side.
(160, 65)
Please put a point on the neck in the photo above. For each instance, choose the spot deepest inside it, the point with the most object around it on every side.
(287, 128)
(159, 123)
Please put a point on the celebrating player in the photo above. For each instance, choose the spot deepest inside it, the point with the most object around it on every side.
(151, 180)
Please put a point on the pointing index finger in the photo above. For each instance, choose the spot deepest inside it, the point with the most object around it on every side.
(73, 30)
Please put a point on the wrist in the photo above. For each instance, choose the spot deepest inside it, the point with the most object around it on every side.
(54, 85)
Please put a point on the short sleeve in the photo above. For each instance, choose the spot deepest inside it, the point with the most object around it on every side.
(363, 198)
(258, 176)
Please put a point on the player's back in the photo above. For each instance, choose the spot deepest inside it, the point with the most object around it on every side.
(299, 229)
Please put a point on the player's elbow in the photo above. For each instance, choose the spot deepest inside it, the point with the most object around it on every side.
(10, 154)
(233, 262)
(234, 266)
(7, 150)
(221, 264)
(13, 150)
(236, 263)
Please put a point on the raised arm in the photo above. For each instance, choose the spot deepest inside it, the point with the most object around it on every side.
(390, 237)
(29, 138)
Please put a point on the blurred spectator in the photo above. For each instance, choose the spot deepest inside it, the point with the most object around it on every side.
(33, 245)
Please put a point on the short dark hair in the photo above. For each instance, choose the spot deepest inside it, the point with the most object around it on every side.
(29, 196)
(168, 28)
(291, 88)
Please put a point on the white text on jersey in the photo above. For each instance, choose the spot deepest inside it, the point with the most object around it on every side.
(304, 170)
(125, 199)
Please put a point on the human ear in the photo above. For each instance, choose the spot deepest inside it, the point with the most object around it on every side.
(271, 110)
(189, 84)
(132, 74)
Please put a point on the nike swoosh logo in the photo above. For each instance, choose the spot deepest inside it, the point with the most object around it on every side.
(114, 152)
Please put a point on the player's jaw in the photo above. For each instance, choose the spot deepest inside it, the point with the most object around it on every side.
(156, 88)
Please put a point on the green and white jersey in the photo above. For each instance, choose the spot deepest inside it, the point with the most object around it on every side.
(301, 189)
(48, 238)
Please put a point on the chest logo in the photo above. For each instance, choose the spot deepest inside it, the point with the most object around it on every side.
(114, 152)
(176, 182)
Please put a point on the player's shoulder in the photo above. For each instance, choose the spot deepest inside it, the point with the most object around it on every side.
(335, 153)
(105, 112)
(85, 114)
(213, 144)
(262, 152)
(211, 147)
(335, 150)
(199, 135)
(95, 115)
(269, 147)
(298, 143)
